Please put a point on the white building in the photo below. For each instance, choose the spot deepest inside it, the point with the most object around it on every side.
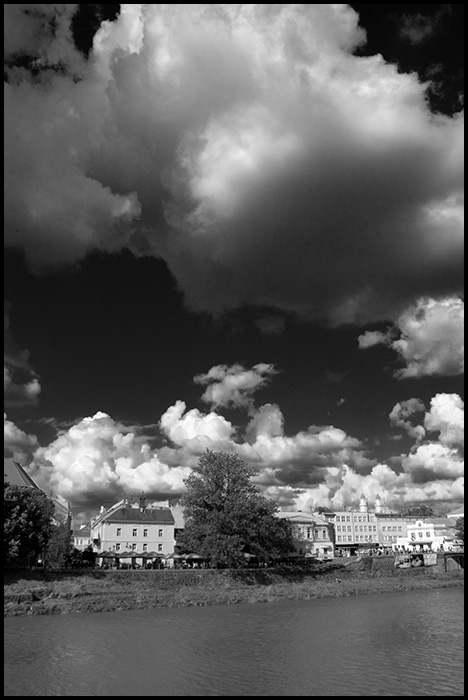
(133, 528)
(361, 528)
(313, 536)
(82, 538)
(436, 534)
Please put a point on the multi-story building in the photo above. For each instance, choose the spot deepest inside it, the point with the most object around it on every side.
(137, 528)
(362, 528)
(313, 536)
(435, 534)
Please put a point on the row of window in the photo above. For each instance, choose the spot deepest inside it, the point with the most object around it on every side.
(135, 532)
(420, 535)
(361, 528)
(117, 547)
(392, 528)
(319, 534)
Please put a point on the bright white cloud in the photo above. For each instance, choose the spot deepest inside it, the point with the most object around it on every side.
(205, 430)
(234, 385)
(96, 460)
(221, 138)
(430, 338)
(447, 416)
(401, 411)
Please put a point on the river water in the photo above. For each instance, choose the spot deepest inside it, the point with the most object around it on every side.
(406, 643)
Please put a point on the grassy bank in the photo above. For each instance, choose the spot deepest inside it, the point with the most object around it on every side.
(48, 592)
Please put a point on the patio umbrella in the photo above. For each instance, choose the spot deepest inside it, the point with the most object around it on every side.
(107, 555)
(152, 555)
(124, 555)
(174, 555)
(193, 556)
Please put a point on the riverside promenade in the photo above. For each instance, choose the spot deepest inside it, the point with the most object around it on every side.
(96, 590)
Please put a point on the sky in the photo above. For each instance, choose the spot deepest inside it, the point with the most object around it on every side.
(237, 228)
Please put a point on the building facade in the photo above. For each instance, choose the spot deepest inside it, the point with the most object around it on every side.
(361, 528)
(129, 527)
(430, 534)
(82, 538)
(312, 534)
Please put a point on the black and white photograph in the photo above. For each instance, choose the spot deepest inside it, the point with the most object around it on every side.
(233, 350)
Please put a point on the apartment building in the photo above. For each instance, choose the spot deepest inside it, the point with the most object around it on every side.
(135, 527)
(313, 535)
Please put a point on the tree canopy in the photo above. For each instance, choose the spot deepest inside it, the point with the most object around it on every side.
(422, 511)
(27, 522)
(226, 517)
(460, 526)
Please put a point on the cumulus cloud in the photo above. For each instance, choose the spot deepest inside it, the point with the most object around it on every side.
(235, 385)
(194, 428)
(97, 459)
(17, 443)
(447, 416)
(401, 411)
(242, 144)
(94, 461)
(428, 337)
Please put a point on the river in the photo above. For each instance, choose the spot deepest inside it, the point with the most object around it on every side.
(405, 643)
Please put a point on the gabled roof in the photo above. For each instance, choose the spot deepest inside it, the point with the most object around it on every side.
(161, 516)
(16, 475)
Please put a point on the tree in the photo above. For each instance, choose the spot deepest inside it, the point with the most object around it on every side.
(460, 529)
(27, 523)
(421, 511)
(226, 517)
(59, 549)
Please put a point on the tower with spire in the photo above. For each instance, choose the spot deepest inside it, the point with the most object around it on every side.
(378, 503)
(363, 504)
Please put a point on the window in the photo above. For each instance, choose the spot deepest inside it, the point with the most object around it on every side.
(145, 547)
(160, 532)
(348, 518)
(350, 539)
(384, 528)
(420, 535)
(135, 532)
(339, 538)
(145, 532)
(413, 535)
(119, 532)
(338, 528)
(160, 549)
(349, 528)
(428, 534)
(117, 547)
(134, 546)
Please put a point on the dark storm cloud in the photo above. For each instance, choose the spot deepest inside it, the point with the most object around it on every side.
(248, 147)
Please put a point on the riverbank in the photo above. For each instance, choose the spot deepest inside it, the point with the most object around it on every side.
(51, 593)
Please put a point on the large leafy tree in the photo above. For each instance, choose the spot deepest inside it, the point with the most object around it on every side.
(226, 517)
(27, 522)
(59, 550)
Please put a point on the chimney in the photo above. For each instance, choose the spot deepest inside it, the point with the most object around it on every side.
(142, 502)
